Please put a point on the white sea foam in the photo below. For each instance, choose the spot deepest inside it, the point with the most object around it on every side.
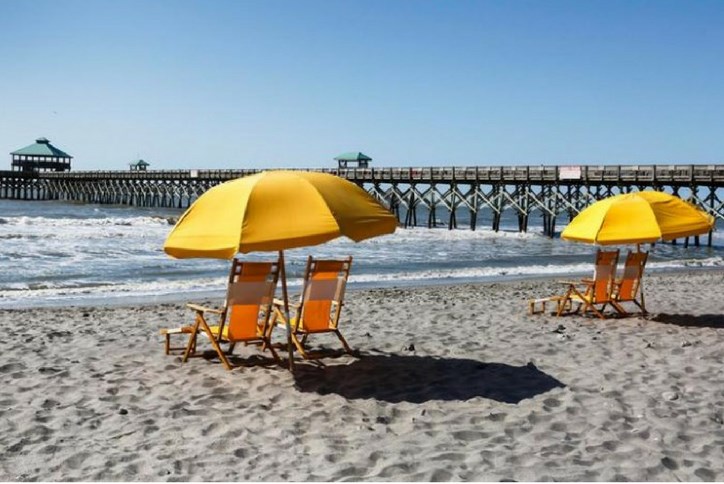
(56, 253)
(84, 222)
(57, 292)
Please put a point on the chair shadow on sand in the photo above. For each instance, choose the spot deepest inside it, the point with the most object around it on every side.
(418, 379)
(715, 321)
(241, 361)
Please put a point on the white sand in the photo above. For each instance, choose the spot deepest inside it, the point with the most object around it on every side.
(488, 393)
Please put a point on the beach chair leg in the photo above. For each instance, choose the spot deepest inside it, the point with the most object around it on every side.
(191, 345)
(562, 307)
(231, 348)
(641, 307)
(596, 311)
(578, 307)
(215, 344)
(643, 303)
(344, 342)
(564, 304)
(300, 345)
(168, 343)
(566, 300)
(620, 309)
(267, 344)
(269, 331)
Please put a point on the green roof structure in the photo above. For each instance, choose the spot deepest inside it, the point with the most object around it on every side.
(354, 159)
(41, 147)
(40, 156)
(139, 165)
(353, 156)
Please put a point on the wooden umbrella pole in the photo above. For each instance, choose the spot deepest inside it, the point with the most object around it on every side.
(285, 296)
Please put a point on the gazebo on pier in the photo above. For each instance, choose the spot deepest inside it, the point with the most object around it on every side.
(348, 160)
(139, 165)
(40, 156)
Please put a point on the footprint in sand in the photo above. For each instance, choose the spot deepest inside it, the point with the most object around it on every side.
(76, 460)
(467, 435)
(11, 367)
(705, 474)
(441, 475)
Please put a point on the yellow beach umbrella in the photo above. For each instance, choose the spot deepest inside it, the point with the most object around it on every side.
(274, 211)
(636, 218)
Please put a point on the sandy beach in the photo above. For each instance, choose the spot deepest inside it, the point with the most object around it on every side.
(449, 383)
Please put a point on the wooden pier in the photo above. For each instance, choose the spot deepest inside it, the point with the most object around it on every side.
(439, 195)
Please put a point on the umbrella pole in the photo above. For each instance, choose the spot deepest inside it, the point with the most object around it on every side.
(285, 296)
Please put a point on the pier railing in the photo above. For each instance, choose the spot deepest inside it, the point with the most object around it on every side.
(679, 174)
(438, 194)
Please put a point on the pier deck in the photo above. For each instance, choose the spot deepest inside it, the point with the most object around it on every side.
(549, 191)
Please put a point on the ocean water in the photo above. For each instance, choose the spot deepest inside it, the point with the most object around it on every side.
(54, 253)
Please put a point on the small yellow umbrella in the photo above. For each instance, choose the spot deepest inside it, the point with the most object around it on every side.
(636, 218)
(274, 211)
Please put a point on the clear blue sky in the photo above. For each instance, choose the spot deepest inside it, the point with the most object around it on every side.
(276, 83)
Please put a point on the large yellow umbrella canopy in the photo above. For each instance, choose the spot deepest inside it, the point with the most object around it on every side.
(635, 218)
(276, 210)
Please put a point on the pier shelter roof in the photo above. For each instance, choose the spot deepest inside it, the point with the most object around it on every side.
(139, 165)
(40, 156)
(41, 147)
(353, 156)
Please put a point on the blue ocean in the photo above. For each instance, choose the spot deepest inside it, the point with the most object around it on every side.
(55, 253)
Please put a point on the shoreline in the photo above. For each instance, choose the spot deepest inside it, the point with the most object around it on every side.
(187, 296)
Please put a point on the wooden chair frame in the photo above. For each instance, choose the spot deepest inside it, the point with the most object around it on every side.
(630, 285)
(300, 332)
(240, 272)
(597, 291)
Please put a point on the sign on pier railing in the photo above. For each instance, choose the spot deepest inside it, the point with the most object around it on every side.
(569, 173)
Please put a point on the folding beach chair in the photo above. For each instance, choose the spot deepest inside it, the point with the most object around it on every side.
(630, 287)
(589, 293)
(320, 303)
(246, 315)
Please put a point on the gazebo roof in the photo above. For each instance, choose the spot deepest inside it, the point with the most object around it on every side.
(140, 163)
(42, 147)
(353, 156)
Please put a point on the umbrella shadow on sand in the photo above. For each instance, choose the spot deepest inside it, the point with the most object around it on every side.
(418, 379)
(715, 321)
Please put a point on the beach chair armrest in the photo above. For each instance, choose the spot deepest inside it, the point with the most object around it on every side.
(582, 282)
(203, 309)
(181, 330)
